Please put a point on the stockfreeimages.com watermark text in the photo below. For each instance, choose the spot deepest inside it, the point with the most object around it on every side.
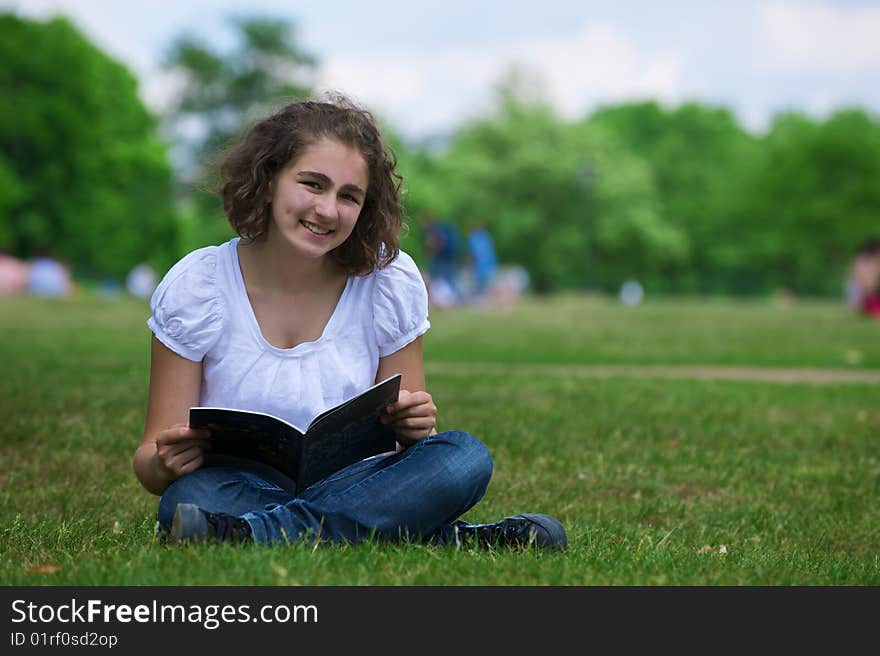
(209, 616)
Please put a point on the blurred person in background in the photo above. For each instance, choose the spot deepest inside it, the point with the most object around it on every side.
(863, 285)
(483, 258)
(442, 247)
(14, 274)
(141, 281)
(49, 277)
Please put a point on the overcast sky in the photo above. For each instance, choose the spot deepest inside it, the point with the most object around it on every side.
(426, 66)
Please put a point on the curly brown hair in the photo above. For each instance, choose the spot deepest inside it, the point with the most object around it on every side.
(249, 166)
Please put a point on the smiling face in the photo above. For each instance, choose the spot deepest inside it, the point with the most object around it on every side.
(317, 198)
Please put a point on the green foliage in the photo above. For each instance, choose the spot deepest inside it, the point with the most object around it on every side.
(223, 91)
(82, 172)
(699, 157)
(568, 202)
(682, 199)
(413, 163)
(201, 222)
(814, 200)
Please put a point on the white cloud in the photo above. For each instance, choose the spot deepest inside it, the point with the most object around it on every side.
(782, 54)
(419, 92)
(160, 88)
(754, 117)
(433, 91)
(101, 20)
(822, 37)
(601, 64)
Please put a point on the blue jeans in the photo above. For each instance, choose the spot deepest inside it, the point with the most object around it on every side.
(414, 495)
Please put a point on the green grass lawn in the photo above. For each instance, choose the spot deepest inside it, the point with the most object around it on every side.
(658, 481)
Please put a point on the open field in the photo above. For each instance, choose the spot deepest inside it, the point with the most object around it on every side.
(683, 442)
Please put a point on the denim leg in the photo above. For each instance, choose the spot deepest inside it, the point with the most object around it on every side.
(415, 494)
(219, 489)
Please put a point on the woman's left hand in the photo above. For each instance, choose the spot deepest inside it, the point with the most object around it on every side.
(412, 417)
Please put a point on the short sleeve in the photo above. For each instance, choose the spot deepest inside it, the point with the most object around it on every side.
(400, 305)
(187, 308)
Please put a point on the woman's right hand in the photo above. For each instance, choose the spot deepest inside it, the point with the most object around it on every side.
(181, 449)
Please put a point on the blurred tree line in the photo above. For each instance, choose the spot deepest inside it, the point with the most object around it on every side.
(682, 199)
(84, 175)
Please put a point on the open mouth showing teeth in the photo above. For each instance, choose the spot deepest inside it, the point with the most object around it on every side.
(311, 227)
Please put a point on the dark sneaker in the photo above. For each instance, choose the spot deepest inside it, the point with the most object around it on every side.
(526, 530)
(192, 524)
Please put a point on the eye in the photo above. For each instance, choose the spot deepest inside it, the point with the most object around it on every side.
(350, 198)
(311, 184)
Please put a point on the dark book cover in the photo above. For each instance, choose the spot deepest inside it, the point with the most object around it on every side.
(335, 439)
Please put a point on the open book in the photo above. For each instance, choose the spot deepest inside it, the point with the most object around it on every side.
(335, 439)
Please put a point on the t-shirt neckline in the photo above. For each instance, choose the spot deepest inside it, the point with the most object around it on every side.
(245, 303)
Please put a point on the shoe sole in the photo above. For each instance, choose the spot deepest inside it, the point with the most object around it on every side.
(189, 524)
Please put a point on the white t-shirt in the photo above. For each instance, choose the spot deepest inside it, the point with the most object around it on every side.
(201, 311)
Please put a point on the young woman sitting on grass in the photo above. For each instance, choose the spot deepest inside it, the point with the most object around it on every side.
(313, 303)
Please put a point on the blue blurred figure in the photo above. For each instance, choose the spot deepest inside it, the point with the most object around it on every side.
(48, 277)
(141, 281)
(485, 262)
(442, 245)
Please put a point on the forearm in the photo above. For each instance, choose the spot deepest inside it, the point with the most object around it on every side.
(150, 470)
(175, 384)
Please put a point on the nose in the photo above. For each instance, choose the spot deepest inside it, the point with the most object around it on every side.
(325, 206)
